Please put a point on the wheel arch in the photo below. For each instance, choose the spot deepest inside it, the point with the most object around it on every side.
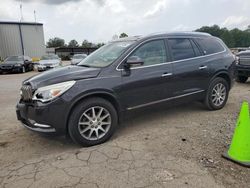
(224, 75)
(101, 94)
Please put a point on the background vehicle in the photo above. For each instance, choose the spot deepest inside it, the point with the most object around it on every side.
(77, 58)
(16, 64)
(48, 62)
(88, 100)
(243, 66)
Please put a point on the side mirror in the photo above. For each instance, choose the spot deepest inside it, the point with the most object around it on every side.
(133, 61)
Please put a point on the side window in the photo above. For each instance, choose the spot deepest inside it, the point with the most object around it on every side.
(181, 48)
(152, 53)
(210, 45)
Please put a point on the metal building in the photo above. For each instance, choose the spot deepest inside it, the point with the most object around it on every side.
(21, 38)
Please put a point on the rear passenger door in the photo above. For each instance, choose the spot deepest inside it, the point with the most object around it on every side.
(191, 74)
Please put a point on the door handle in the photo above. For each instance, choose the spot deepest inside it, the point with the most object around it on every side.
(202, 67)
(166, 74)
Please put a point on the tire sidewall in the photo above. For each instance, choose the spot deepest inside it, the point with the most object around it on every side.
(77, 113)
(210, 90)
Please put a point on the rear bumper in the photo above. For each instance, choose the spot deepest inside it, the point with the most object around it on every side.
(243, 70)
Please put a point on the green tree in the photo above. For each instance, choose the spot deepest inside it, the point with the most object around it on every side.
(98, 45)
(73, 43)
(248, 28)
(227, 37)
(55, 42)
(232, 38)
(123, 35)
(213, 30)
(87, 44)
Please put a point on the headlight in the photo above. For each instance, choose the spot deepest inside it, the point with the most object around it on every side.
(237, 60)
(47, 93)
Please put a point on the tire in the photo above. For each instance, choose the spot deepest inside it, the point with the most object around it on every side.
(211, 101)
(241, 79)
(30, 67)
(83, 114)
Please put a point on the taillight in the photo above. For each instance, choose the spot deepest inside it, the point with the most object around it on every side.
(237, 59)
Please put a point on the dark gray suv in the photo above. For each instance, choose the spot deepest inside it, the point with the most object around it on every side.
(88, 100)
(243, 66)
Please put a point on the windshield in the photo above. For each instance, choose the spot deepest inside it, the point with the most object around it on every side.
(14, 58)
(47, 57)
(106, 55)
(79, 56)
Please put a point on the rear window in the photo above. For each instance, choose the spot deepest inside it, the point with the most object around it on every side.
(181, 48)
(15, 58)
(210, 45)
(48, 57)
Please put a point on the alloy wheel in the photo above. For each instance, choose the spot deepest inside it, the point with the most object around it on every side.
(94, 123)
(219, 94)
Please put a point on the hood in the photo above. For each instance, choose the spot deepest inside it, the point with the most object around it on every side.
(62, 74)
(8, 63)
(49, 61)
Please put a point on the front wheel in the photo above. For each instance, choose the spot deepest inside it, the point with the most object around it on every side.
(92, 122)
(217, 94)
(241, 79)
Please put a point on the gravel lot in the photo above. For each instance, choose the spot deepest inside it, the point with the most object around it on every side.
(164, 147)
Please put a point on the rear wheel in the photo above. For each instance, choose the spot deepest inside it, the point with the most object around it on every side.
(92, 122)
(241, 79)
(217, 94)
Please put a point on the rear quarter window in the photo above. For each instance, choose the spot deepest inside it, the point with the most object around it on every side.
(210, 45)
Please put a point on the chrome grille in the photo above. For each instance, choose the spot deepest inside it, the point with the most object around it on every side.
(26, 92)
(245, 61)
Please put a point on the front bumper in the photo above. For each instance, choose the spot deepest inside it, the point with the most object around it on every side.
(243, 70)
(44, 68)
(13, 69)
(40, 117)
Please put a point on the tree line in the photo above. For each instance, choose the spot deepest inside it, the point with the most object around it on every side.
(232, 38)
(58, 42)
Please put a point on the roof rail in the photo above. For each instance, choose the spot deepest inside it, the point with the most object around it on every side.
(181, 33)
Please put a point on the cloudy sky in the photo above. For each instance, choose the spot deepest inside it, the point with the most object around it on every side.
(99, 20)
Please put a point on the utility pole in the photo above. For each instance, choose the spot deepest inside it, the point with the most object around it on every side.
(35, 15)
(21, 11)
(19, 26)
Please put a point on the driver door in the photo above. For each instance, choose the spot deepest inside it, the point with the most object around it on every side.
(151, 82)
